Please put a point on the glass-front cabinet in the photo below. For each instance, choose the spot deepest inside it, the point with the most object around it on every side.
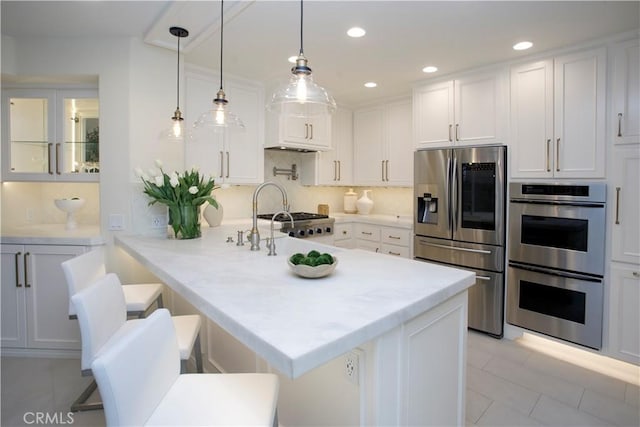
(50, 135)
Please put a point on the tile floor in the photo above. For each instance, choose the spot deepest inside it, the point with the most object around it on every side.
(509, 383)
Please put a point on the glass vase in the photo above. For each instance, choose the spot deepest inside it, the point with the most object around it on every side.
(185, 221)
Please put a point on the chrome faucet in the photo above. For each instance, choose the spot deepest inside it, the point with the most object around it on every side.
(254, 235)
(271, 242)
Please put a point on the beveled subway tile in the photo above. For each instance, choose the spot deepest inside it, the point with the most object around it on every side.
(532, 379)
(578, 375)
(554, 413)
(612, 410)
(632, 395)
(498, 415)
(498, 389)
(476, 405)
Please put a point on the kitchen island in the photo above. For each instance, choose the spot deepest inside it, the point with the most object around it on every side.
(400, 323)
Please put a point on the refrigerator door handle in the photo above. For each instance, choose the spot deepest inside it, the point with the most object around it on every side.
(448, 193)
(454, 194)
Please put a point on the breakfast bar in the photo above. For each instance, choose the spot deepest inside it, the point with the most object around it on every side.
(400, 323)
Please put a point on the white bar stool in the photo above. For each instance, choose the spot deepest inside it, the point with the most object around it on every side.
(84, 269)
(140, 384)
(101, 312)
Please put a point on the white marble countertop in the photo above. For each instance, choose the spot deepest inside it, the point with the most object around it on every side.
(402, 221)
(53, 234)
(295, 324)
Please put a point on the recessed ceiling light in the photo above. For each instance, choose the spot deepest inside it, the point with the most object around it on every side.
(522, 45)
(356, 32)
(430, 69)
(370, 84)
(293, 59)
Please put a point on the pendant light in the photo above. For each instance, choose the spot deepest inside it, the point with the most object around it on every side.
(301, 97)
(220, 117)
(176, 131)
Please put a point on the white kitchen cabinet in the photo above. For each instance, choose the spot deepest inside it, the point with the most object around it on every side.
(383, 150)
(469, 110)
(383, 239)
(624, 317)
(626, 92)
(624, 197)
(50, 135)
(231, 156)
(343, 235)
(333, 167)
(35, 300)
(299, 133)
(558, 117)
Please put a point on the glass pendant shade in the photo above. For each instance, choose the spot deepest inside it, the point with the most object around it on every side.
(219, 117)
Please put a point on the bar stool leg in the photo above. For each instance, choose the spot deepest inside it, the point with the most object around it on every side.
(80, 403)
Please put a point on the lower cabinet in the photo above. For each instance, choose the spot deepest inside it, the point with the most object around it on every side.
(343, 236)
(383, 239)
(35, 300)
(624, 319)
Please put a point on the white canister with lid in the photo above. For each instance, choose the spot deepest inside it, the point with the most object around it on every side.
(350, 199)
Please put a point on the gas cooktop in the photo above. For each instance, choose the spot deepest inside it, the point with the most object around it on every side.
(306, 224)
(297, 216)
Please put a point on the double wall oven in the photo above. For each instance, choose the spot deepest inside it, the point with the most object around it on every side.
(459, 208)
(556, 259)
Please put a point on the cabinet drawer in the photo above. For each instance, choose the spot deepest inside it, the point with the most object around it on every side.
(396, 236)
(342, 231)
(368, 245)
(402, 251)
(368, 232)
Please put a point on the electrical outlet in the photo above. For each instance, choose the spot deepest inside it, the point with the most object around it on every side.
(352, 367)
(158, 221)
(116, 222)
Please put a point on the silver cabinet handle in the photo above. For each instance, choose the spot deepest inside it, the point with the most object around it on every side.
(18, 284)
(393, 237)
(619, 125)
(227, 175)
(450, 139)
(26, 269)
(617, 205)
(339, 171)
(58, 158)
(558, 155)
(368, 233)
(335, 170)
(548, 152)
(455, 248)
(311, 126)
(457, 129)
(636, 274)
(386, 170)
(393, 253)
(221, 164)
(50, 145)
(485, 278)
(382, 169)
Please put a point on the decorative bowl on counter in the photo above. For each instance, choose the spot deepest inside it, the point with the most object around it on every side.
(70, 206)
(313, 265)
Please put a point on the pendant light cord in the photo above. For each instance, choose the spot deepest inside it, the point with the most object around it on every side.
(221, 35)
(178, 80)
(301, 15)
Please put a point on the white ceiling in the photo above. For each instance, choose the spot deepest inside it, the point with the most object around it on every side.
(402, 36)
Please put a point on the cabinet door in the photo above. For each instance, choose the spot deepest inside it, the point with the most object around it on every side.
(368, 138)
(207, 148)
(532, 120)
(313, 133)
(28, 134)
(579, 121)
(626, 93)
(243, 158)
(433, 115)
(399, 146)
(478, 109)
(335, 167)
(12, 310)
(624, 316)
(47, 298)
(624, 193)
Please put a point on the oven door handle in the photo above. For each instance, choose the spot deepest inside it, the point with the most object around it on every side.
(555, 203)
(557, 273)
(455, 248)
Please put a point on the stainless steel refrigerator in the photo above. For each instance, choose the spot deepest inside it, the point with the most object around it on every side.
(459, 220)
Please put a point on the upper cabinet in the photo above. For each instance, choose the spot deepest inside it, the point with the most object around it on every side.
(50, 135)
(383, 148)
(333, 167)
(298, 133)
(466, 111)
(626, 92)
(558, 117)
(232, 156)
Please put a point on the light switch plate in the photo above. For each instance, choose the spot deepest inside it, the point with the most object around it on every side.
(116, 222)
